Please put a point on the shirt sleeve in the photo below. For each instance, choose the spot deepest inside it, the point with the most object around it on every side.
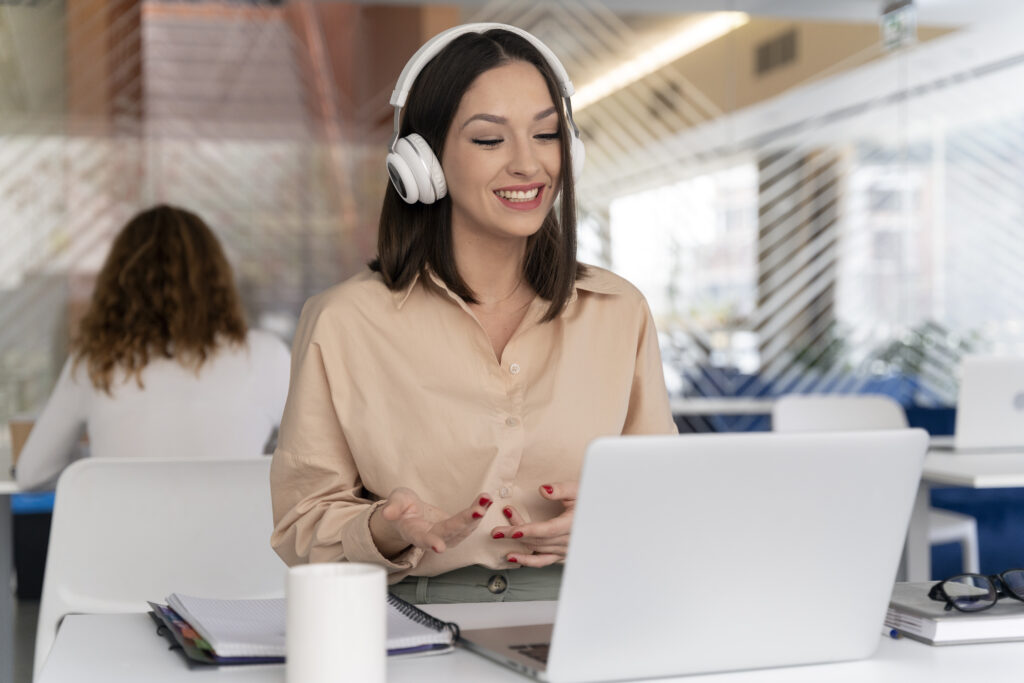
(51, 444)
(278, 361)
(321, 511)
(649, 411)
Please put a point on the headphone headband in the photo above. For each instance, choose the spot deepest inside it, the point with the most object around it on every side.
(430, 49)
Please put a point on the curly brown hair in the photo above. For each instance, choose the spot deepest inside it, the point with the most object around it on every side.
(165, 290)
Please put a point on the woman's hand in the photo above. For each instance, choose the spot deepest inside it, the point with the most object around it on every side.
(405, 520)
(546, 542)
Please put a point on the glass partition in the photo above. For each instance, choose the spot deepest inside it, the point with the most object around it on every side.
(807, 204)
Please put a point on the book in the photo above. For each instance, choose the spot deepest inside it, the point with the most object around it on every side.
(913, 614)
(217, 631)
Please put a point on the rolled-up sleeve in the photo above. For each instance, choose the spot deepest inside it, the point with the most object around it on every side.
(321, 510)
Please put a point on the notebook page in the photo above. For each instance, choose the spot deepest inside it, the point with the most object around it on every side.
(404, 633)
(256, 628)
(235, 628)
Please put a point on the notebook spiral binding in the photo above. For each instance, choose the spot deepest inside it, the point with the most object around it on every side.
(419, 616)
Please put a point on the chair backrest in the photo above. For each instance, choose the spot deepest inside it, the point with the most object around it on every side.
(829, 413)
(127, 531)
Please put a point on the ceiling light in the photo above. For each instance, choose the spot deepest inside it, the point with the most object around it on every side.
(693, 36)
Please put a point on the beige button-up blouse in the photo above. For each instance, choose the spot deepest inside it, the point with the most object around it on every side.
(403, 388)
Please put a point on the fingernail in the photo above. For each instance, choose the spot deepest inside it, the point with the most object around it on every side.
(498, 534)
(508, 512)
(548, 489)
(477, 515)
(512, 559)
(518, 534)
(485, 501)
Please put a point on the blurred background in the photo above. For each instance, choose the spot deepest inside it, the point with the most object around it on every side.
(812, 195)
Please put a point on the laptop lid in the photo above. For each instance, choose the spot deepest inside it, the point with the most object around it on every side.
(720, 552)
(990, 406)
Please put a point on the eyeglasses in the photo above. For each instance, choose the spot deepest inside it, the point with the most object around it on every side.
(976, 592)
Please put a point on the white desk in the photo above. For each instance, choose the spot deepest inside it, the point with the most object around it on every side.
(124, 648)
(7, 487)
(942, 467)
(721, 406)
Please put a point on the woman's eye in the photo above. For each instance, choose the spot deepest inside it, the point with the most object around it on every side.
(547, 136)
(486, 142)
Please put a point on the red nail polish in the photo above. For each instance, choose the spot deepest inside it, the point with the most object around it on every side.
(518, 534)
(548, 489)
(498, 534)
(485, 501)
(512, 559)
(508, 512)
(477, 515)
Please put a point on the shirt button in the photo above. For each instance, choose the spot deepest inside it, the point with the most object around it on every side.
(497, 584)
(511, 421)
(504, 492)
(514, 368)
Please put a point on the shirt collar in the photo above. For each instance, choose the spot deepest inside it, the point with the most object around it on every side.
(597, 280)
(400, 296)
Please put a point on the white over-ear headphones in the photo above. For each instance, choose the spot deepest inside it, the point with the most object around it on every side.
(413, 167)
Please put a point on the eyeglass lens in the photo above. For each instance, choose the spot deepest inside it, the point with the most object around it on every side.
(1013, 581)
(970, 593)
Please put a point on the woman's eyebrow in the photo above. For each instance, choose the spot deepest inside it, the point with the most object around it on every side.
(502, 120)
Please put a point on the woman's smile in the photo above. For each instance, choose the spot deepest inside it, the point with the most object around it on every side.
(521, 197)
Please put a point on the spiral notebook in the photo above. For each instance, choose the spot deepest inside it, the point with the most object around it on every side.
(216, 631)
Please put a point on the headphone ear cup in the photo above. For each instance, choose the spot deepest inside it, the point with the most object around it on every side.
(418, 168)
(402, 178)
(579, 155)
(438, 185)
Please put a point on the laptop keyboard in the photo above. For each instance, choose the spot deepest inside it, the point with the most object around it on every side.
(537, 651)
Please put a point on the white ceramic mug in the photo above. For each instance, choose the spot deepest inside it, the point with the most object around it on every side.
(336, 625)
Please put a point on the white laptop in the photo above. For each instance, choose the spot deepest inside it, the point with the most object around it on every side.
(990, 406)
(720, 552)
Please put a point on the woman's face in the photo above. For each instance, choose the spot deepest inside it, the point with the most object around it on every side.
(502, 157)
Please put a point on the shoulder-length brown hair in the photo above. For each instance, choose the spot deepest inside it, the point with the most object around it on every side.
(413, 237)
(165, 290)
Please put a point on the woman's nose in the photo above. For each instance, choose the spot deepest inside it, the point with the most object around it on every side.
(524, 159)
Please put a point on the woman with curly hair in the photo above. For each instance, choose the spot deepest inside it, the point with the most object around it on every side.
(163, 364)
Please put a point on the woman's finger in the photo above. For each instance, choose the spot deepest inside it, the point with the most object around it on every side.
(553, 549)
(533, 560)
(551, 528)
(513, 516)
(562, 490)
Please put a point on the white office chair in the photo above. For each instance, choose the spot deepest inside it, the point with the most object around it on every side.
(796, 413)
(128, 531)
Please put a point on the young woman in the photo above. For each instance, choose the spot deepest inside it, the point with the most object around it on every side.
(162, 365)
(441, 402)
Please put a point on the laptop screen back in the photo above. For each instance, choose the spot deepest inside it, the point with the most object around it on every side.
(990, 407)
(720, 552)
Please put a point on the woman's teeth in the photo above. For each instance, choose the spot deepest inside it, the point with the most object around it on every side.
(518, 195)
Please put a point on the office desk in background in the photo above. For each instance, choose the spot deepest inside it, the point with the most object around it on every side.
(124, 648)
(945, 468)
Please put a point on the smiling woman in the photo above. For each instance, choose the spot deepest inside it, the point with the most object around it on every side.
(475, 360)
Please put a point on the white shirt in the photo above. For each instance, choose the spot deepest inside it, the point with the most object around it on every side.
(228, 409)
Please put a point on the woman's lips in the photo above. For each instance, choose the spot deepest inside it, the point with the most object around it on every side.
(519, 200)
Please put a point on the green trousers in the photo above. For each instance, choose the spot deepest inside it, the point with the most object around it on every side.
(480, 584)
